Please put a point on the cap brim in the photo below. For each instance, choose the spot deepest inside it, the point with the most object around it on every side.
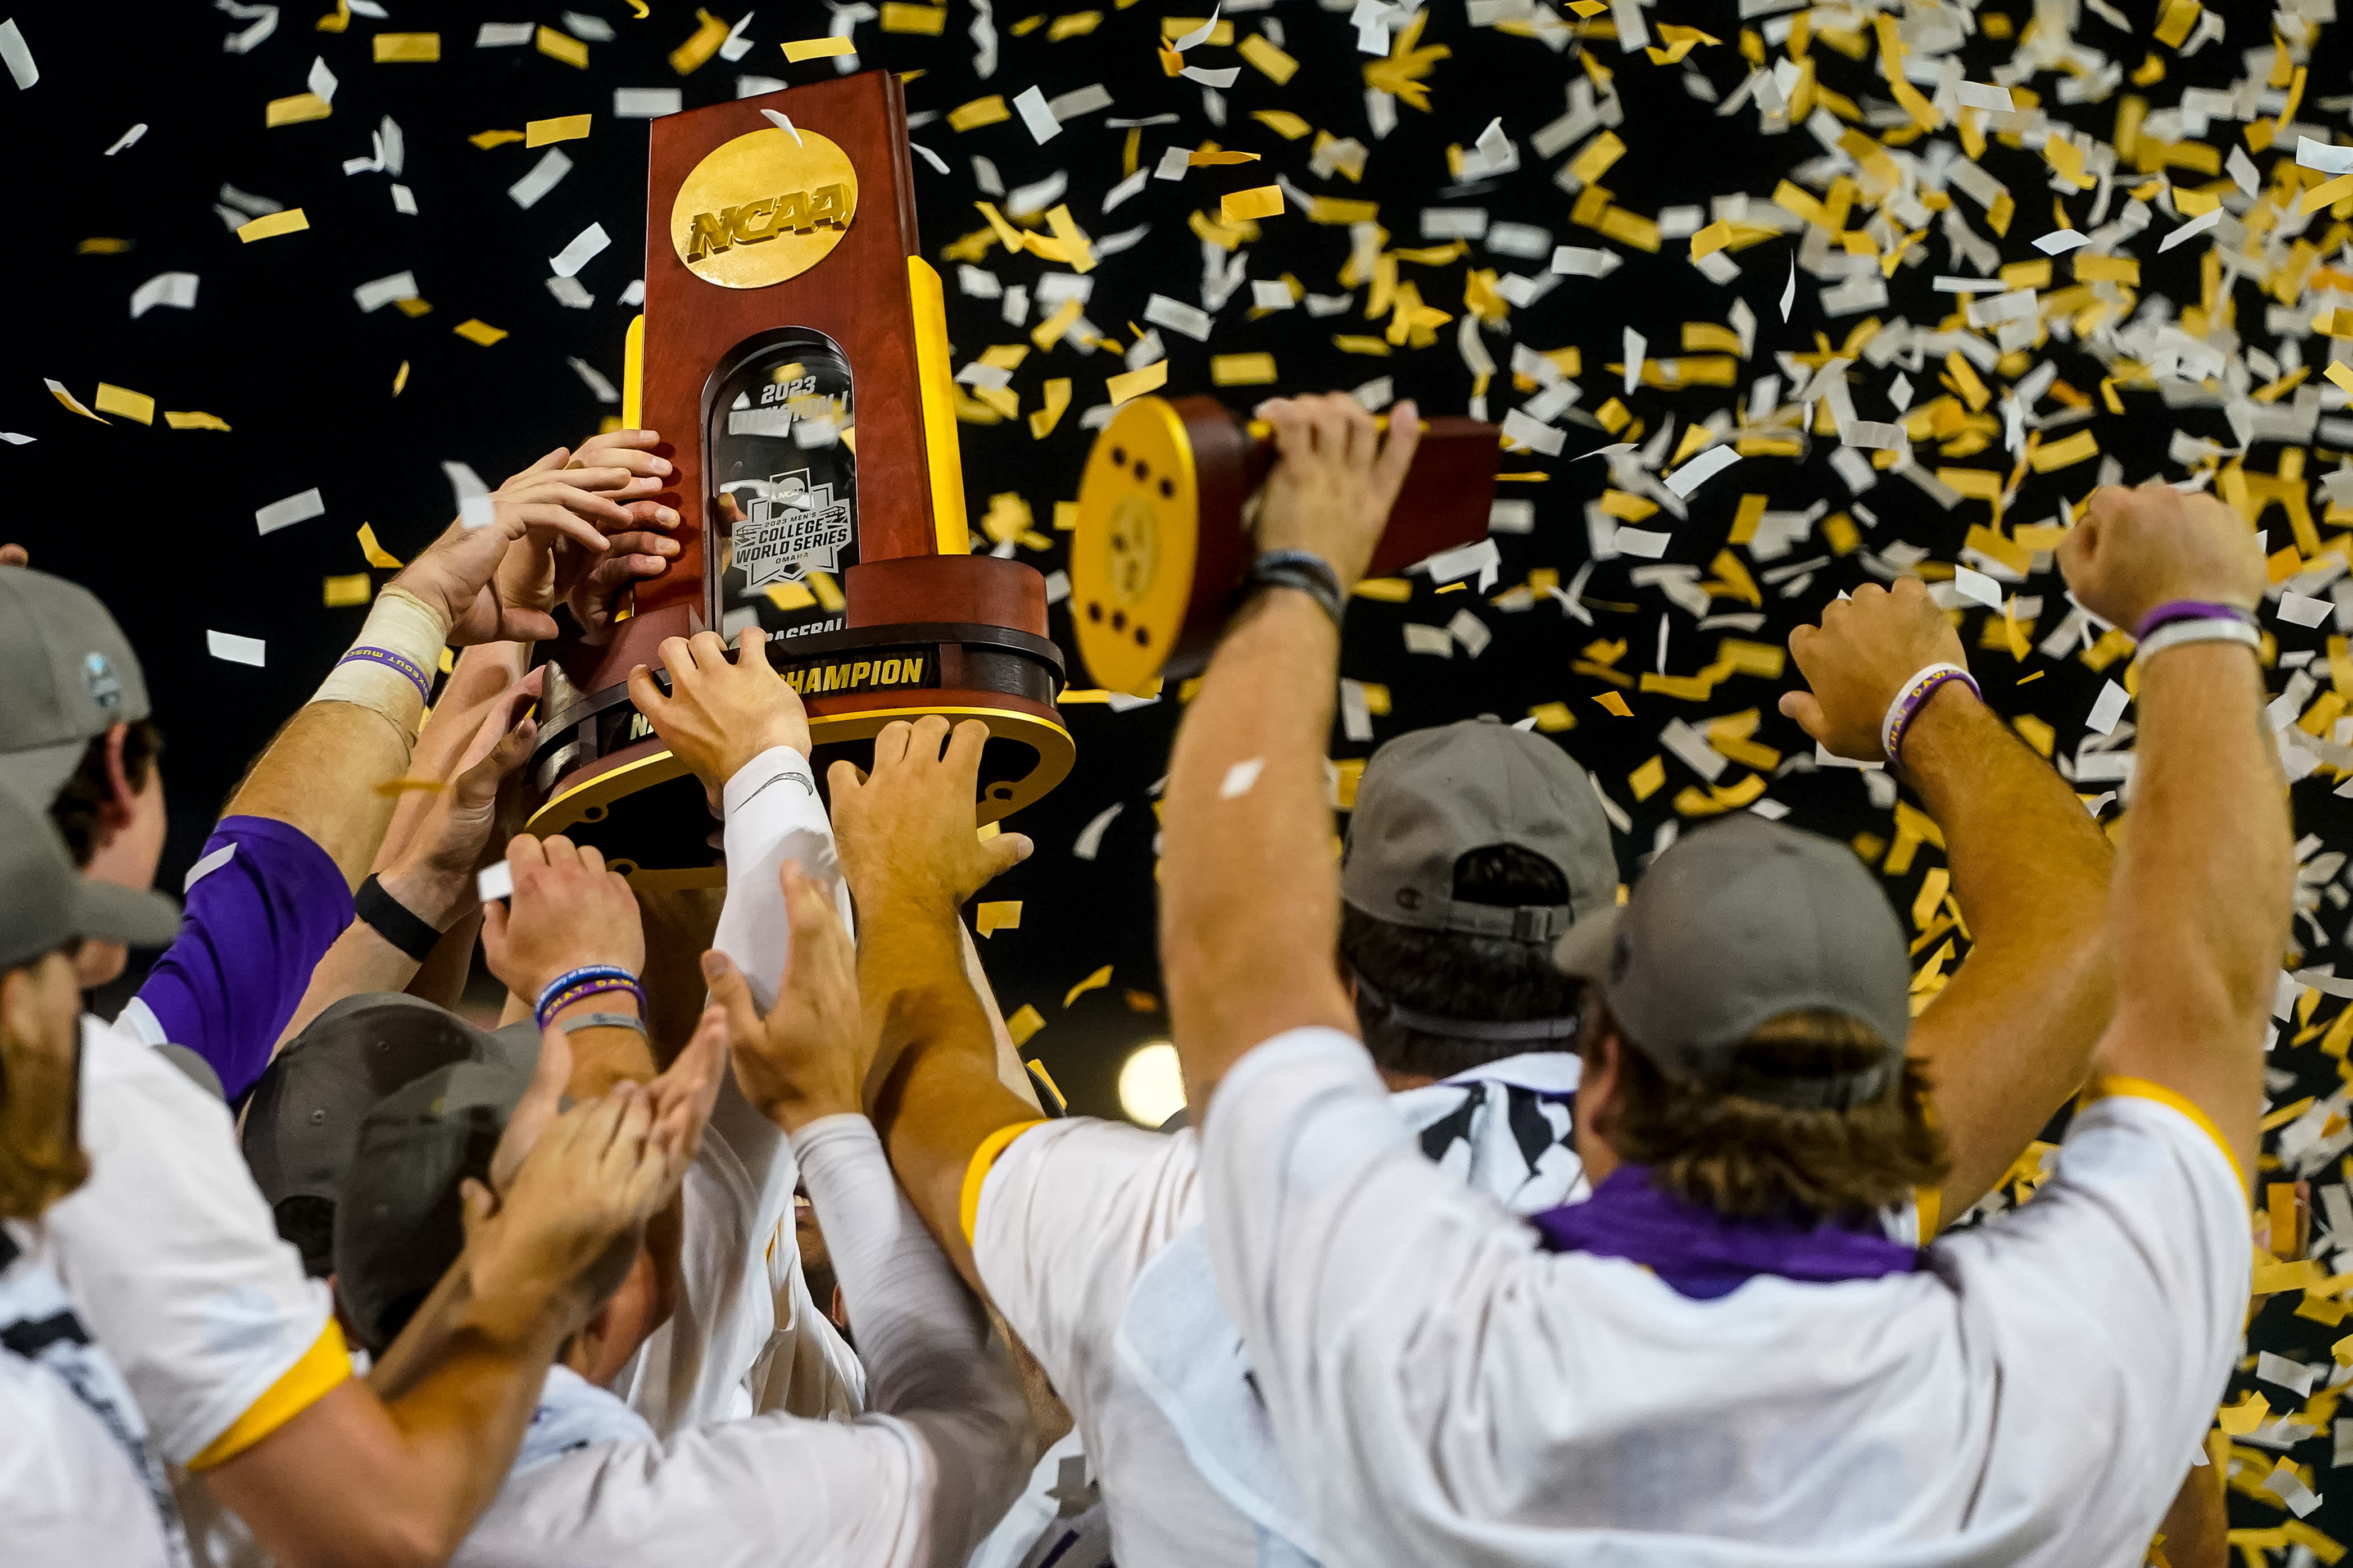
(34, 774)
(137, 916)
(1584, 949)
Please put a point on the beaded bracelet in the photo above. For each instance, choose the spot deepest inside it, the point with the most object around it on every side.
(579, 983)
(1911, 698)
(365, 653)
(2174, 610)
(2175, 634)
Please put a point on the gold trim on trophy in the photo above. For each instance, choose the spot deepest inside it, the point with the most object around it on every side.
(764, 207)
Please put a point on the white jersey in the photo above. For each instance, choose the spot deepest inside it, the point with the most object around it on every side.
(1090, 1240)
(80, 1483)
(746, 1336)
(174, 1266)
(1445, 1391)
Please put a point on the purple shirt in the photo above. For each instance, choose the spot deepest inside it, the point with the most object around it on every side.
(255, 924)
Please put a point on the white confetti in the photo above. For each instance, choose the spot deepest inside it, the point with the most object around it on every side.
(1089, 843)
(236, 650)
(385, 291)
(584, 245)
(294, 509)
(1470, 632)
(784, 123)
(643, 102)
(2106, 708)
(2059, 241)
(1584, 261)
(19, 58)
(525, 193)
(2302, 609)
(503, 35)
(1789, 290)
(1636, 346)
(176, 289)
(1701, 469)
(1420, 639)
(127, 137)
(605, 390)
(2190, 230)
(1977, 586)
(495, 882)
(1977, 95)
(2321, 156)
(1239, 777)
(322, 80)
(474, 507)
(1030, 104)
(1178, 316)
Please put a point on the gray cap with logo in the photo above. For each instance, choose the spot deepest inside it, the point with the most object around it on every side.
(400, 1223)
(69, 675)
(1430, 797)
(1737, 924)
(44, 903)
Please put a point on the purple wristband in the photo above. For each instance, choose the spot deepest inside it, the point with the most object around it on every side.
(2174, 610)
(1912, 698)
(367, 654)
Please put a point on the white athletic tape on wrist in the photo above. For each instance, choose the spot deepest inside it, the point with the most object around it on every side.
(399, 624)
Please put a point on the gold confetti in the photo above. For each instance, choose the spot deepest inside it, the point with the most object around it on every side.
(901, 18)
(540, 132)
(1260, 52)
(407, 49)
(1650, 778)
(99, 247)
(1264, 201)
(400, 378)
(1282, 122)
(562, 47)
(709, 34)
(1042, 423)
(344, 592)
(980, 111)
(124, 401)
(801, 50)
(1552, 718)
(789, 596)
(829, 596)
(271, 224)
(194, 420)
(991, 918)
(1615, 704)
(1241, 370)
(1136, 383)
(1023, 1025)
(1076, 25)
(1100, 978)
(377, 554)
(486, 140)
(294, 111)
(1354, 343)
(481, 332)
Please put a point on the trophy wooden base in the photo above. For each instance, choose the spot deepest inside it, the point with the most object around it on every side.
(959, 636)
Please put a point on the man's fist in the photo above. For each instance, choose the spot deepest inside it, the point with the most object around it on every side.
(1331, 491)
(908, 829)
(568, 911)
(719, 716)
(2138, 549)
(1861, 656)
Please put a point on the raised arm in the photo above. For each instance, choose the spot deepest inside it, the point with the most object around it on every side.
(2200, 914)
(2009, 1038)
(1250, 897)
(432, 876)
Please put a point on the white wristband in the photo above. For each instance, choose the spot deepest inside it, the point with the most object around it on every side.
(2175, 633)
(399, 625)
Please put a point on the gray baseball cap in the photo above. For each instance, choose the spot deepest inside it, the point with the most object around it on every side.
(1738, 924)
(69, 675)
(302, 1122)
(47, 903)
(400, 1223)
(1430, 797)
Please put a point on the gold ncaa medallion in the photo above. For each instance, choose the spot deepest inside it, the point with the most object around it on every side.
(762, 208)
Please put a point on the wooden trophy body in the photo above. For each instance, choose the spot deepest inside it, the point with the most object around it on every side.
(794, 356)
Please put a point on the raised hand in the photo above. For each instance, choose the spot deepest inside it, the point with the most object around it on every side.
(2138, 549)
(460, 572)
(591, 584)
(434, 874)
(909, 829)
(719, 716)
(567, 912)
(802, 1061)
(1331, 492)
(1860, 656)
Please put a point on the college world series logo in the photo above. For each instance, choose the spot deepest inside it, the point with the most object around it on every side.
(791, 530)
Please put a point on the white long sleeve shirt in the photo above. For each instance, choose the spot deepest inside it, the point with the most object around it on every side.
(1444, 1391)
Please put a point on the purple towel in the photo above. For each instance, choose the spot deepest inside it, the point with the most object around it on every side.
(1703, 1255)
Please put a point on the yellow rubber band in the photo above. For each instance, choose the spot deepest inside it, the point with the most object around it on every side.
(2142, 1089)
(324, 1368)
(982, 1159)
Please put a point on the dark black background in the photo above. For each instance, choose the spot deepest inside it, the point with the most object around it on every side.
(160, 522)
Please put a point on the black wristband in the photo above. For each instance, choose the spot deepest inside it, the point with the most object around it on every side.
(394, 921)
(1301, 569)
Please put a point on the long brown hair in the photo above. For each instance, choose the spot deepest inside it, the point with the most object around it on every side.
(41, 1158)
(1746, 1157)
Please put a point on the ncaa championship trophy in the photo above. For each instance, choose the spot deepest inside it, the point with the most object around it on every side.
(793, 355)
